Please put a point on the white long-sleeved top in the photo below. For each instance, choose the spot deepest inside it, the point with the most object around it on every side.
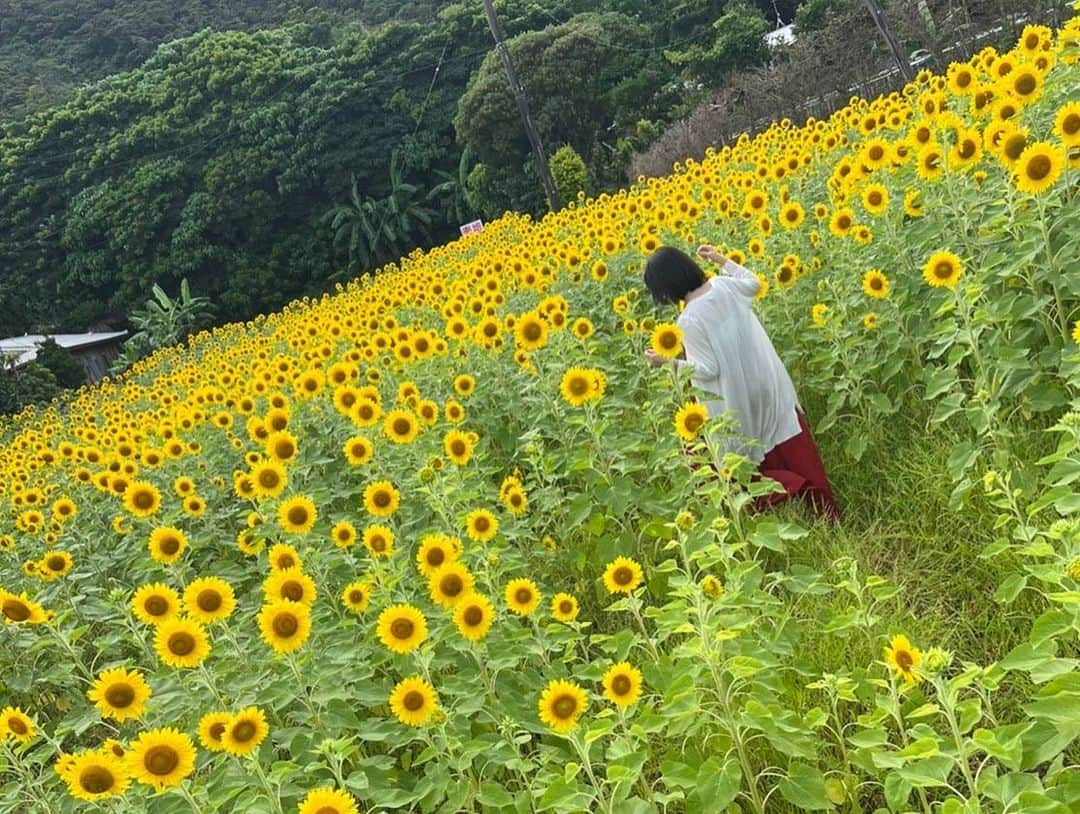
(732, 357)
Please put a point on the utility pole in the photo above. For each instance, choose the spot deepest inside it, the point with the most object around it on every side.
(523, 108)
(894, 46)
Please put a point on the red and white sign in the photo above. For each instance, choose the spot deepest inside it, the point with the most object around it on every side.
(470, 228)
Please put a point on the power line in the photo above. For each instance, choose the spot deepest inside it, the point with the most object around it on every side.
(615, 47)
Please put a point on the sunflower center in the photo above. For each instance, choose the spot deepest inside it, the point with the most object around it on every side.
(904, 660)
(359, 450)
(481, 524)
(292, 590)
(473, 616)
(1038, 167)
(413, 700)
(565, 707)
(143, 500)
(96, 779)
(452, 585)
(874, 198)
(1015, 145)
(875, 283)
(285, 449)
(243, 731)
(181, 643)
(328, 810)
(216, 730)
(169, 545)
(161, 760)
(378, 543)
(532, 331)
(381, 499)
(298, 515)
(1025, 85)
(156, 606)
(579, 386)
(285, 561)
(623, 575)
(620, 685)
(120, 696)
(356, 596)
(285, 625)
(943, 270)
(668, 340)
(566, 607)
(18, 726)
(402, 426)
(209, 600)
(523, 596)
(967, 149)
(1070, 126)
(457, 447)
(435, 557)
(402, 629)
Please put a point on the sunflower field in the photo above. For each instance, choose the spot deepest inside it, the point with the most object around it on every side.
(440, 541)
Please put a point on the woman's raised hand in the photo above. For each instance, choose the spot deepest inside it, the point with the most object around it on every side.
(711, 253)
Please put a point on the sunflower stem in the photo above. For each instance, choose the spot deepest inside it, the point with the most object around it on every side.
(88, 676)
(187, 795)
(271, 794)
(583, 752)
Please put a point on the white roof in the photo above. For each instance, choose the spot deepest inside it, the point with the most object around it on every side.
(25, 348)
(781, 36)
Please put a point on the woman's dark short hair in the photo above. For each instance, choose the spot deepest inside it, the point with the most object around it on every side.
(671, 274)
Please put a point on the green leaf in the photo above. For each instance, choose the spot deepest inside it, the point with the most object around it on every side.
(494, 795)
(804, 787)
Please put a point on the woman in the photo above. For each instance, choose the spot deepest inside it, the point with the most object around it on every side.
(732, 357)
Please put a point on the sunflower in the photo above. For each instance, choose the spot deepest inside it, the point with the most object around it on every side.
(875, 199)
(181, 643)
(435, 551)
(282, 447)
(167, 544)
(792, 215)
(356, 596)
(1076, 332)
(283, 556)
(16, 724)
(327, 801)
(155, 603)
(401, 628)
(473, 616)
(209, 599)
(1066, 125)
(381, 499)
(690, 419)
(120, 694)
(464, 385)
(454, 412)
(516, 501)
(481, 525)
(522, 596)
(564, 607)
(622, 684)
(401, 426)
(622, 575)
(870, 321)
(903, 659)
(268, 479)
(942, 269)
(285, 625)
(561, 704)
(929, 162)
(297, 515)
(580, 385)
(114, 748)
(194, 506)
(913, 205)
(530, 332)
(212, 728)
(413, 701)
(875, 284)
(449, 583)
(93, 775)
(379, 541)
(819, 314)
(291, 585)
(55, 564)
(711, 586)
(161, 758)
(358, 450)
(582, 328)
(667, 340)
(343, 534)
(458, 446)
(244, 732)
(142, 499)
(841, 222)
(1039, 167)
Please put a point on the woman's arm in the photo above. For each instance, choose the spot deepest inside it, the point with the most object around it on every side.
(742, 280)
(699, 353)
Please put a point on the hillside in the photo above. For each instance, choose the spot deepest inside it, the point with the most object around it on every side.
(441, 540)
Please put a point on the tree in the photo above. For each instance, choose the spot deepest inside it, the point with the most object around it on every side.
(738, 43)
(353, 226)
(164, 321)
(569, 172)
(66, 369)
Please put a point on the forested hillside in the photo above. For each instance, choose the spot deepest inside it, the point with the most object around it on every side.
(259, 164)
(49, 47)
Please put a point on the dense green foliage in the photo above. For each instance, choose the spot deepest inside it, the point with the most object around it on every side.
(53, 370)
(257, 165)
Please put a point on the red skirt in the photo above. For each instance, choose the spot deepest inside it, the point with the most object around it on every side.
(796, 465)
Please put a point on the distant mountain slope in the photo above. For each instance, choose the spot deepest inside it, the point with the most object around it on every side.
(47, 47)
